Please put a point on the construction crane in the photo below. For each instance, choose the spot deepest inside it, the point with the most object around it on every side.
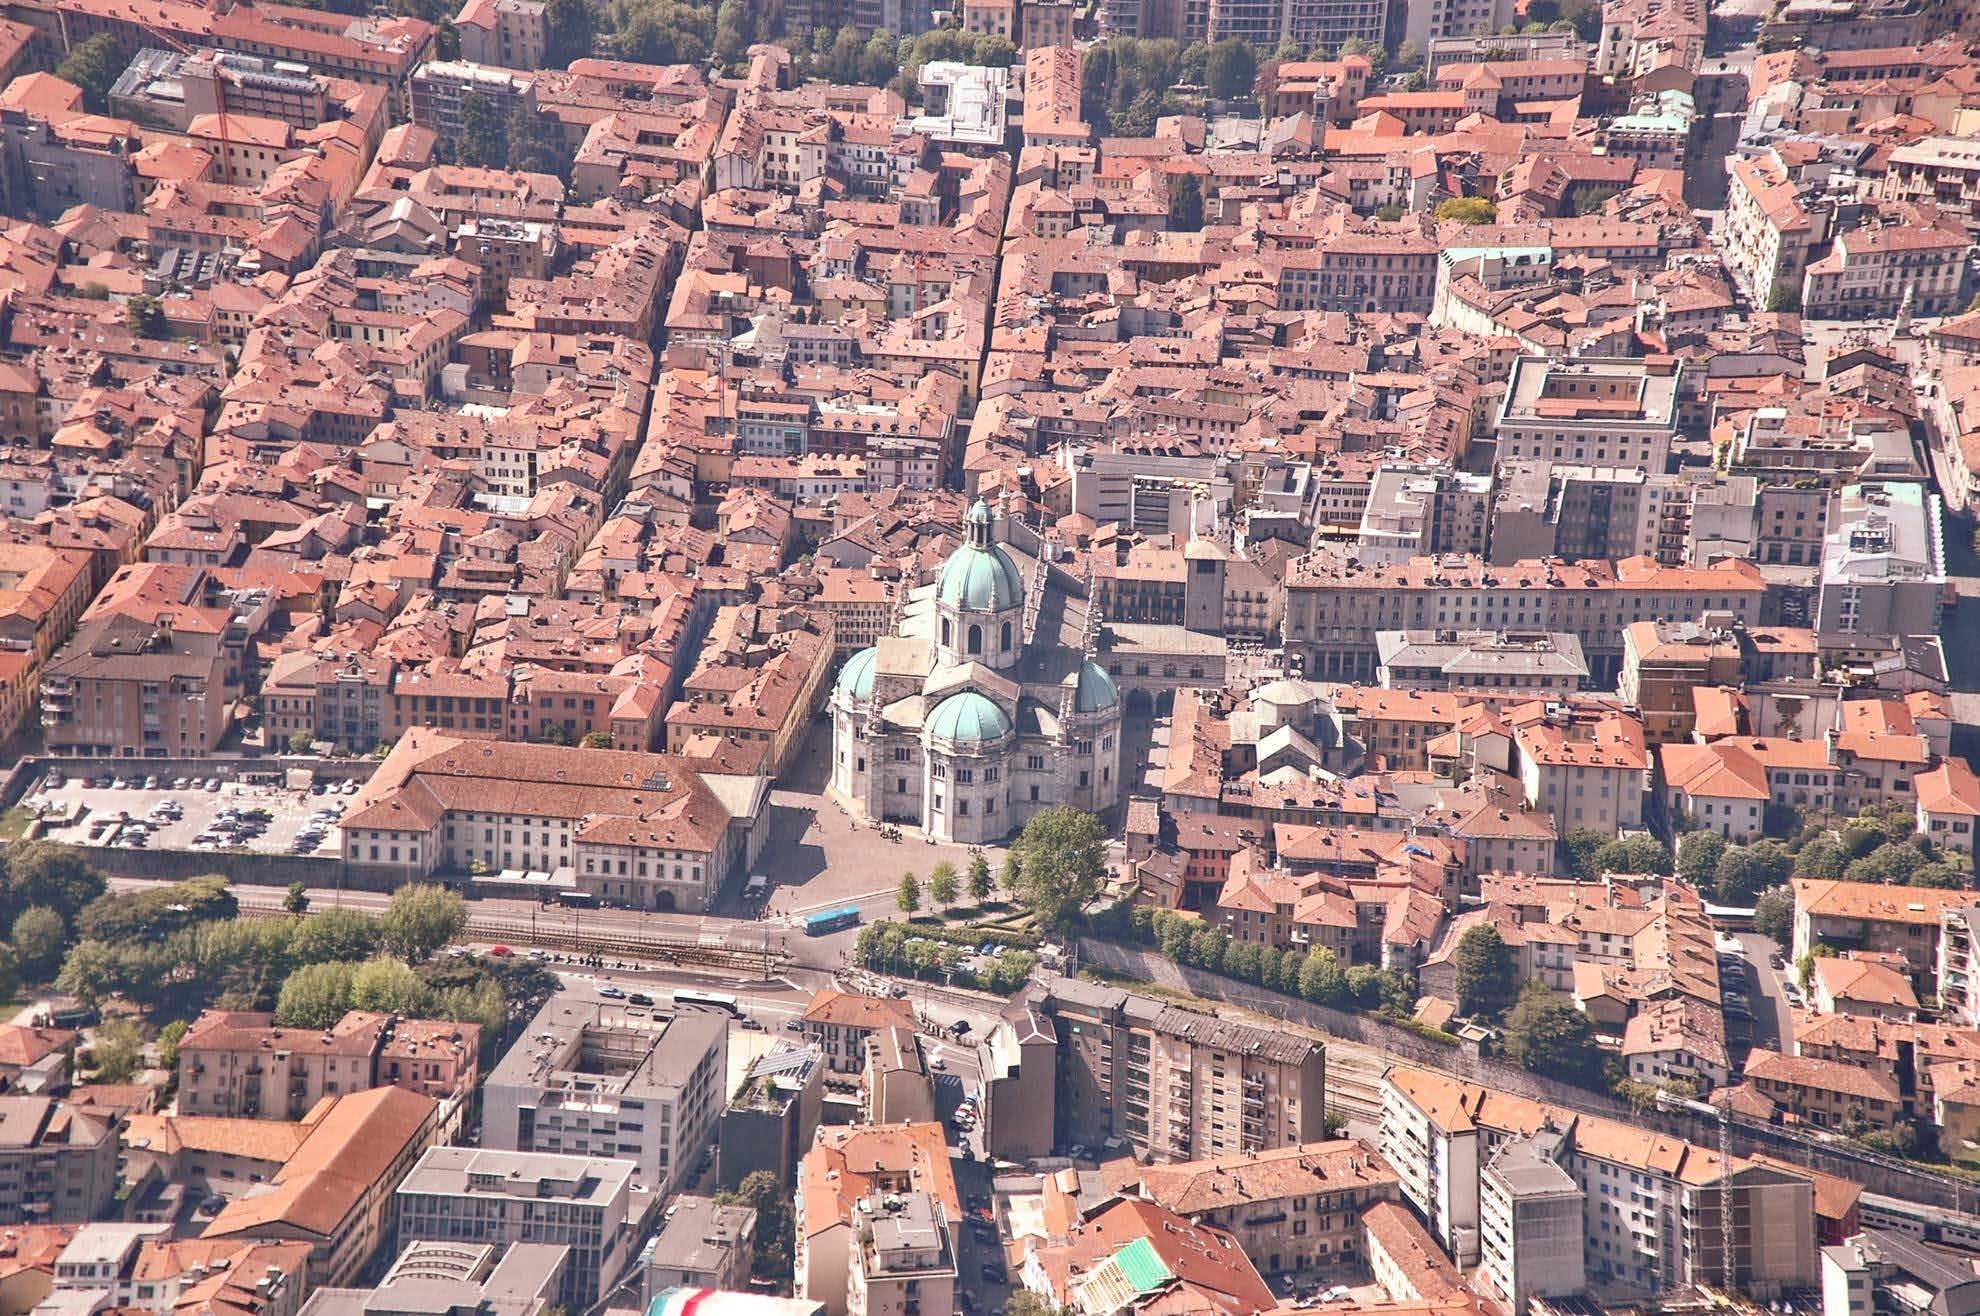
(220, 92)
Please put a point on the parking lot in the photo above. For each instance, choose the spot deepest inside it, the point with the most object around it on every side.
(136, 810)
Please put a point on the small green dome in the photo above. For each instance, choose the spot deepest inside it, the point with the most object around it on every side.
(980, 578)
(1096, 691)
(856, 677)
(968, 716)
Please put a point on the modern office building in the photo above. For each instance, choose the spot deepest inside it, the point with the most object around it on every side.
(477, 1195)
(587, 1078)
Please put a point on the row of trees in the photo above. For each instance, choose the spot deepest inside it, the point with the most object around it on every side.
(945, 884)
(1317, 977)
(532, 143)
(897, 948)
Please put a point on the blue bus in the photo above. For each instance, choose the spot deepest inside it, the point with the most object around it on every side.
(831, 920)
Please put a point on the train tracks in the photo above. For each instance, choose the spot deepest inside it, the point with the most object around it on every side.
(762, 961)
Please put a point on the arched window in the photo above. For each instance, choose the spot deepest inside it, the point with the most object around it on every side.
(948, 636)
(1007, 637)
(975, 639)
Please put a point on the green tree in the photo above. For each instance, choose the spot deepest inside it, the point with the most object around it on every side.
(907, 897)
(39, 938)
(942, 885)
(978, 878)
(90, 972)
(10, 972)
(116, 1050)
(596, 740)
(1737, 878)
(1060, 864)
(1484, 972)
(1185, 203)
(1698, 857)
(419, 920)
(1773, 862)
(335, 934)
(1468, 210)
(169, 1038)
(1581, 845)
(93, 65)
(1024, 1302)
(57, 876)
(144, 316)
(1546, 1035)
(482, 142)
(296, 902)
(316, 995)
(764, 1193)
(1591, 200)
(1389, 214)
(390, 986)
(300, 742)
(1230, 68)
(1321, 979)
(537, 145)
(1784, 300)
(1773, 915)
(1637, 853)
(153, 915)
(1822, 856)
(570, 30)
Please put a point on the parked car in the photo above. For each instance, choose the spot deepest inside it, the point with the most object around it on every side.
(612, 993)
(639, 998)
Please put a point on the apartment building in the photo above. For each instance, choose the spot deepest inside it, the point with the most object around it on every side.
(903, 1256)
(57, 1162)
(1418, 510)
(1177, 1085)
(1906, 261)
(895, 1082)
(846, 1251)
(1313, 24)
(755, 689)
(1948, 805)
(1869, 916)
(1595, 411)
(1579, 511)
(1649, 1203)
(1295, 1208)
(238, 1063)
(841, 1023)
(702, 1244)
(128, 686)
(1770, 235)
(1335, 606)
(334, 1192)
(140, 1268)
(1498, 664)
(439, 87)
(589, 1079)
(1939, 171)
(1663, 662)
(1588, 767)
(1828, 1094)
(1531, 1219)
(477, 1195)
(770, 1118)
(511, 33)
(1883, 561)
(645, 830)
(1018, 1059)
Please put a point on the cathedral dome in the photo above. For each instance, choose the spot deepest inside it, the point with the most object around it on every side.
(968, 716)
(856, 677)
(979, 578)
(1096, 692)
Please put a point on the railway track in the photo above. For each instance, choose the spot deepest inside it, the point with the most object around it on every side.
(763, 961)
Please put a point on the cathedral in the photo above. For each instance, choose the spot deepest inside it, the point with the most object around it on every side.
(985, 704)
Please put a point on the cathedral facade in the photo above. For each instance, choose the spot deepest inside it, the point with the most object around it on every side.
(985, 705)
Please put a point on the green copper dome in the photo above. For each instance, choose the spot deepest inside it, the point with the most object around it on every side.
(1096, 691)
(968, 716)
(856, 677)
(980, 579)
